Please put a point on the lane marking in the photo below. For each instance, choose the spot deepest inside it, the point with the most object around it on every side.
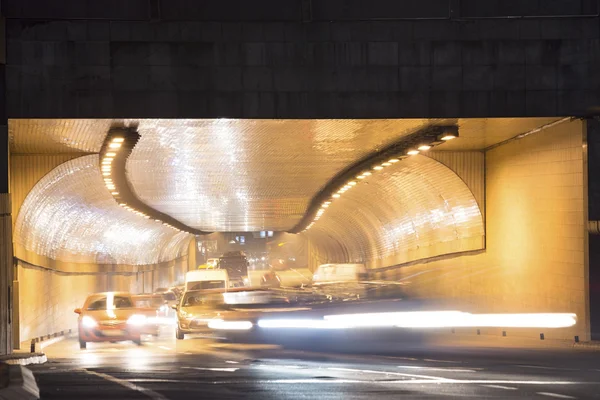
(231, 362)
(405, 358)
(436, 369)
(443, 361)
(212, 369)
(558, 396)
(369, 371)
(164, 347)
(500, 387)
(548, 368)
(495, 384)
(150, 393)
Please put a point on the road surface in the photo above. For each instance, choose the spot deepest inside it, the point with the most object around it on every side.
(198, 368)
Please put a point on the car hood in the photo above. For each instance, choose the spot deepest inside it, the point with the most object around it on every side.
(194, 312)
(108, 315)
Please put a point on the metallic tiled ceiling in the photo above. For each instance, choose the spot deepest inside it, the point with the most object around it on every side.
(480, 133)
(414, 209)
(70, 216)
(246, 175)
(57, 135)
(242, 175)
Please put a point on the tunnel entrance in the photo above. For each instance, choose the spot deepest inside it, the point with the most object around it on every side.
(493, 218)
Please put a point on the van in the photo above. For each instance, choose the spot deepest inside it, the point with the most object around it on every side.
(206, 279)
(338, 273)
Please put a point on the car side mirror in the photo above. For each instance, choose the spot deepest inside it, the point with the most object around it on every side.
(77, 311)
(174, 306)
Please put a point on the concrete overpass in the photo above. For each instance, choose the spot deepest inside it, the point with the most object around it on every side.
(251, 120)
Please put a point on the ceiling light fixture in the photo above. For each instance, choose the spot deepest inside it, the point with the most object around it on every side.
(412, 152)
(377, 167)
(114, 145)
(386, 164)
(393, 160)
(111, 154)
(424, 147)
(118, 140)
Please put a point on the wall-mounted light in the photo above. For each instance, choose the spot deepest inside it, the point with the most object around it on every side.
(411, 145)
(449, 133)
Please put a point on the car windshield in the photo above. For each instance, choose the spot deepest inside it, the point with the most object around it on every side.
(200, 299)
(152, 302)
(100, 303)
(206, 285)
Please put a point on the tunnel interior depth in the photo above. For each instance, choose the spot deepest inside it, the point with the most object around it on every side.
(489, 221)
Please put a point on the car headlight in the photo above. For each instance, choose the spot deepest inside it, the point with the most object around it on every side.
(136, 320)
(88, 322)
(230, 325)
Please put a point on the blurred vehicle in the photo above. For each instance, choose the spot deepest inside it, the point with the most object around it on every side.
(337, 273)
(170, 299)
(236, 265)
(178, 291)
(213, 262)
(148, 305)
(109, 317)
(270, 279)
(196, 309)
(199, 309)
(206, 279)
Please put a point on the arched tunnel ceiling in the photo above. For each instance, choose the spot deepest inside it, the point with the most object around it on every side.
(232, 175)
(246, 175)
(417, 208)
(70, 216)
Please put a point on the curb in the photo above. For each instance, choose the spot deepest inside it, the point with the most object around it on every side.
(24, 359)
(18, 382)
(587, 345)
(36, 345)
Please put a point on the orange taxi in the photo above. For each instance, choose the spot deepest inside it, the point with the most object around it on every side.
(109, 317)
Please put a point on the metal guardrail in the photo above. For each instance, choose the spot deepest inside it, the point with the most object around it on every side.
(44, 338)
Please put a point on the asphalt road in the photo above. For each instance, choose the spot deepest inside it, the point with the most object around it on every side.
(198, 368)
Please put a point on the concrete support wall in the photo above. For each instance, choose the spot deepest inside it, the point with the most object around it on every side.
(535, 260)
(270, 61)
(6, 251)
(593, 199)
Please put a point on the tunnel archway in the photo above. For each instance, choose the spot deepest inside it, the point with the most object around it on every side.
(416, 209)
(69, 216)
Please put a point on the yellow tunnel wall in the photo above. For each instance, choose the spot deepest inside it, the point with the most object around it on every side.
(47, 291)
(535, 257)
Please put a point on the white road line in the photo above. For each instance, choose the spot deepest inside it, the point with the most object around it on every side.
(436, 369)
(231, 362)
(150, 393)
(443, 361)
(549, 368)
(369, 371)
(494, 384)
(212, 369)
(558, 396)
(500, 387)
(164, 347)
(405, 358)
